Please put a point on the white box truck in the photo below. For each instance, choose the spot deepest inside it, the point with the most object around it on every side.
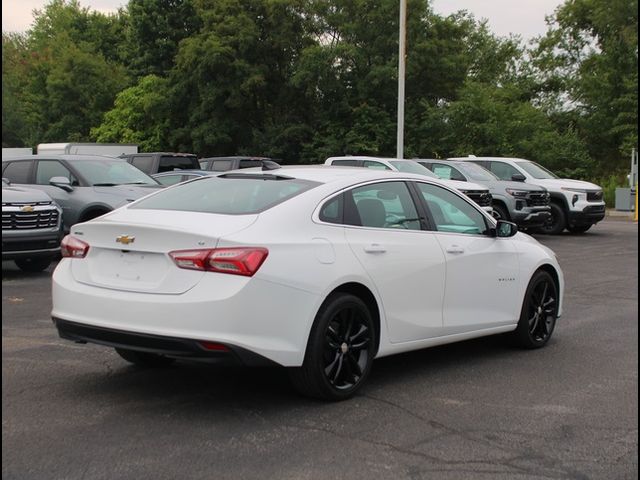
(107, 149)
(16, 152)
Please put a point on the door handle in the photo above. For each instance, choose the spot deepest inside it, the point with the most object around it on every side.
(374, 248)
(455, 249)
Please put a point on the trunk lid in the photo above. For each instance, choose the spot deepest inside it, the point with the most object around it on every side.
(129, 248)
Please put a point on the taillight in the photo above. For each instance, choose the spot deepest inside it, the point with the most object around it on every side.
(237, 261)
(71, 247)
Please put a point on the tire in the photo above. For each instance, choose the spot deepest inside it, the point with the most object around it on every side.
(33, 264)
(144, 359)
(337, 361)
(539, 312)
(557, 222)
(500, 213)
(579, 229)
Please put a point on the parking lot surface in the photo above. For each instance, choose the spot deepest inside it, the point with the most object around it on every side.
(479, 409)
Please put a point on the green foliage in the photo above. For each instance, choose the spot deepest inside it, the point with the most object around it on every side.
(140, 116)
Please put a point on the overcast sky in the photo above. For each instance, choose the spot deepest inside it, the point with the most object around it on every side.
(521, 17)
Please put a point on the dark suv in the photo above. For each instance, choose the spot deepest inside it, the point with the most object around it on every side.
(156, 162)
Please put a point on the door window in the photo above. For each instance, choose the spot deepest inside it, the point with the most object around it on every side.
(345, 163)
(18, 172)
(503, 171)
(450, 212)
(382, 205)
(47, 169)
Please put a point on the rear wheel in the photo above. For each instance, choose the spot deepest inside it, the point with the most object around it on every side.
(557, 221)
(145, 359)
(339, 352)
(579, 228)
(33, 264)
(539, 312)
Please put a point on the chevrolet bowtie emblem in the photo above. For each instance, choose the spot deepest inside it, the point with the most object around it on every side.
(125, 239)
(27, 208)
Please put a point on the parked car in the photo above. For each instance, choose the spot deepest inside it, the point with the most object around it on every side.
(575, 205)
(31, 227)
(84, 186)
(316, 269)
(475, 192)
(224, 164)
(156, 162)
(524, 204)
(179, 176)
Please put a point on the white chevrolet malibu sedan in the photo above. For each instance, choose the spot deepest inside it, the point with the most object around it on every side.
(319, 269)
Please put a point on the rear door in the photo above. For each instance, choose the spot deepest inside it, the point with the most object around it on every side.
(405, 262)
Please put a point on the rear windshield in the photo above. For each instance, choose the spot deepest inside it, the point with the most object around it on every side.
(169, 163)
(231, 195)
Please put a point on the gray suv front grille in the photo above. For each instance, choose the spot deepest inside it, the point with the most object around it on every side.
(37, 219)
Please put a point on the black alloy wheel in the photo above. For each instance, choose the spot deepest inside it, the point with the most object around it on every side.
(500, 213)
(339, 352)
(539, 312)
(557, 221)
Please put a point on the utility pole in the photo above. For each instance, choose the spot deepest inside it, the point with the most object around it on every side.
(401, 74)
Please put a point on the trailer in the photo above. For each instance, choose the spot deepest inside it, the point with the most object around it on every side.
(107, 149)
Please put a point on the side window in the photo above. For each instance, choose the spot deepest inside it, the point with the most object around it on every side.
(169, 179)
(143, 163)
(331, 211)
(447, 172)
(48, 169)
(250, 163)
(382, 205)
(18, 172)
(345, 163)
(502, 170)
(450, 212)
(375, 165)
(203, 164)
(222, 165)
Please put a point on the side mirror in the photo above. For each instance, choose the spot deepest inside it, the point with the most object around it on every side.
(506, 229)
(61, 182)
(518, 177)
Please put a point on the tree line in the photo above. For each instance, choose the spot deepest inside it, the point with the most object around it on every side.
(301, 80)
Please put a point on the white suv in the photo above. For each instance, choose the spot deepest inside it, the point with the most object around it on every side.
(575, 205)
(478, 193)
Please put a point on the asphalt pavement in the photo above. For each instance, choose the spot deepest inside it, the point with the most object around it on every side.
(479, 409)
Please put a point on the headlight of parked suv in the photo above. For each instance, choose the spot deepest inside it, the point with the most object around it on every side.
(517, 193)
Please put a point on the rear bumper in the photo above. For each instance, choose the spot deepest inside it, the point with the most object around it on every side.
(268, 319)
(169, 346)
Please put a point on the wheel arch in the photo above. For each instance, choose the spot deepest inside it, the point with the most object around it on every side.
(366, 295)
(93, 211)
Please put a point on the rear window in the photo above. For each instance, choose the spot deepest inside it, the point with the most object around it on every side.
(230, 195)
(169, 163)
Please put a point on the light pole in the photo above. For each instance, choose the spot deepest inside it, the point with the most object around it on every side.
(401, 74)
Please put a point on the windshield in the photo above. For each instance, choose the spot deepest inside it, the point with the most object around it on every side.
(412, 167)
(109, 172)
(476, 172)
(228, 194)
(536, 171)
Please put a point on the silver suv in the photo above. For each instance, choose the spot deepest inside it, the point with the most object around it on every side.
(522, 203)
(31, 227)
(575, 205)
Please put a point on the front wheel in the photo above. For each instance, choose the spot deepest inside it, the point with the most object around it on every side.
(339, 352)
(145, 359)
(556, 223)
(500, 213)
(33, 264)
(539, 312)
